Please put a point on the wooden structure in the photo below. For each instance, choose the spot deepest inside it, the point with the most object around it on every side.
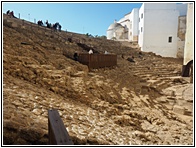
(57, 132)
(97, 60)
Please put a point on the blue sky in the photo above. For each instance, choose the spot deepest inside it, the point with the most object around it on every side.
(78, 17)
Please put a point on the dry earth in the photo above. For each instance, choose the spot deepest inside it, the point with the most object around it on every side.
(141, 103)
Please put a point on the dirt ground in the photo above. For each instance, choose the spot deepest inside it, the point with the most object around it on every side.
(145, 102)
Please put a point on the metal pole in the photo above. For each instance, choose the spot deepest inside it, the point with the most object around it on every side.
(29, 17)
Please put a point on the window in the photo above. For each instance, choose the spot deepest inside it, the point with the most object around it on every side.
(139, 19)
(141, 15)
(141, 29)
(170, 39)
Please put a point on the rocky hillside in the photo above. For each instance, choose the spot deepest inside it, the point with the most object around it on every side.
(144, 102)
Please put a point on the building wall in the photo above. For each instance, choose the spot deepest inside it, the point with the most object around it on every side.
(152, 26)
(130, 28)
(188, 50)
(112, 31)
(180, 48)
(140, 27)
(159, 23)
(181, 27)
(130, 24)
(181, 36)
(118, 34)
(126, 23)
(110, 34)
(135, 20)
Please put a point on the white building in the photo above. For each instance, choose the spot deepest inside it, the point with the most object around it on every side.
(126, 29)
(189, 48)
(115, 31)
(158, 28)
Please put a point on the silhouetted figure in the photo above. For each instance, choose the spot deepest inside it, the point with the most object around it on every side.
(11, 14)
(55, 26)
(8, 12)
(76, 56)
(40, 23)
(48, 25)
(59, 27)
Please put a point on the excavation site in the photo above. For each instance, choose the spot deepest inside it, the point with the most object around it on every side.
(142, 99)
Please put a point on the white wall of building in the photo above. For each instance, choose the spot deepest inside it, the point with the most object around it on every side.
(188, 51)
(153, 25)
(140, 27)
(134, 27)
(125, 22)
(112, 30)
(159, 23)
(110, 34)
(130, 24)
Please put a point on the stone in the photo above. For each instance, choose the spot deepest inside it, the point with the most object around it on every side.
(79, 74)
(178, 109)
(188, 113)
(162, 99)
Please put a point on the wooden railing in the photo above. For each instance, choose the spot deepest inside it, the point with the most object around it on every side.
(98, 60)
(57, 132)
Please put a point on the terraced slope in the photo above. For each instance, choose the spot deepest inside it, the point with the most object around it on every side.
(141, 103)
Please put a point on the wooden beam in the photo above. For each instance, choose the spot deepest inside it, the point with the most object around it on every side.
(57, 132)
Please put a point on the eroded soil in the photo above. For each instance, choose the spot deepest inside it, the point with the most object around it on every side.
(145, 102)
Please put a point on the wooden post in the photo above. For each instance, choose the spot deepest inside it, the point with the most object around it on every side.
(57, 132)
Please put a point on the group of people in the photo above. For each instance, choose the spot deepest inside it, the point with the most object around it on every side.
(76, 55)
(40, 23)
(90, 52)
(55, 26)
(10, 13)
